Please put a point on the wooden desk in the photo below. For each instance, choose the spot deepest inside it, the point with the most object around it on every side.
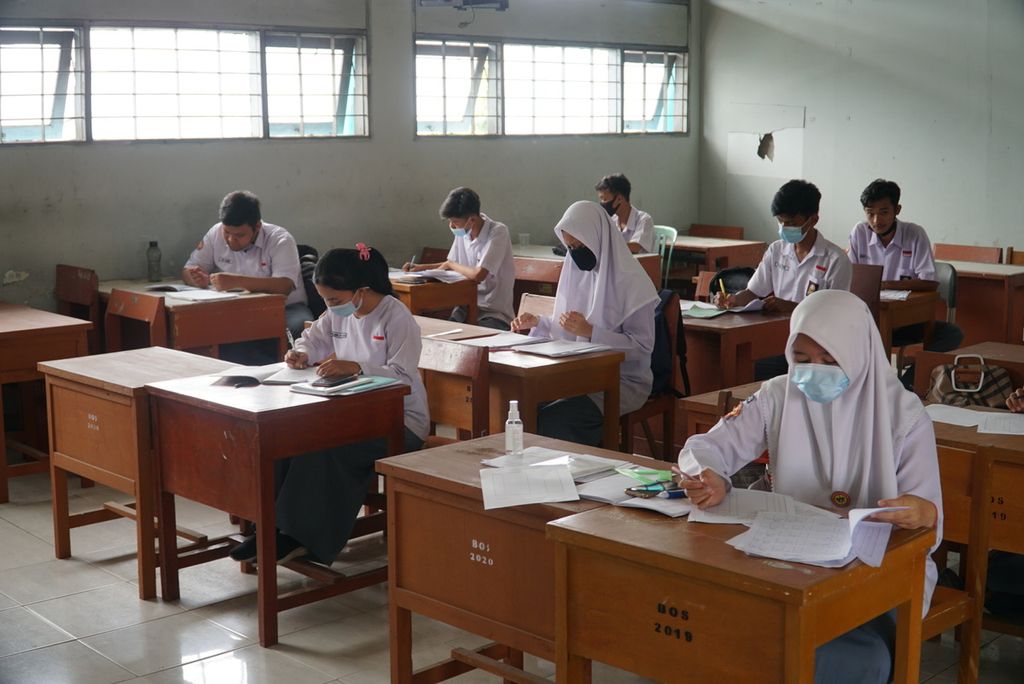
(99, 429)
(1009, 356)
(720, 352)
(28, 336)
(201, 327)
(532, 380)
(990, 302)
(420, 297)
(919, 307)
(538, 269)
(659, 597)
(487, 572)
(217, 445)
(430, 327)
(702, 409)
(721, 253)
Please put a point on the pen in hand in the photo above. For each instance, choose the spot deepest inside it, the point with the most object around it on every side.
(291, 339)
(725, 295)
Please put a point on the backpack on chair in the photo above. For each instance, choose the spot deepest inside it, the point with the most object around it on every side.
(662, 355)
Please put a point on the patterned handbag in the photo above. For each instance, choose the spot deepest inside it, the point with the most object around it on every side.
(970, 384)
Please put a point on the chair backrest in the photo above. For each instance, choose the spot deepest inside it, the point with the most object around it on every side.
(668, 356)
(308, 256)
(1014, 256)
(946, 275)
(77, 292)
(711, 230)
(866, 283)
(702, 291)
(664, 243)
(538, 305)
(457, 378)
(433, 255)
(135, 306)
(735, 279)
(975, 253)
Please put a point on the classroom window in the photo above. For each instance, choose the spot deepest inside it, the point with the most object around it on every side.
(654, 92)
(316, 85)
(41, 93)
(456, 88)
(174, 83)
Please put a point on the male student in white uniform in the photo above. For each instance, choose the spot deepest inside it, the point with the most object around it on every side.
(244, 252)
(482, 252)
(904, 252)
(636, 227)
(800, 262)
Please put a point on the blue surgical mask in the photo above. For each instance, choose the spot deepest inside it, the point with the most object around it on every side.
(345, 310)
(791, 234)
(460, 232)
(819, 382)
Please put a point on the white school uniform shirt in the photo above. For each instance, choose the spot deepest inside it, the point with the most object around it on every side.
(639, 228)
(385, 342)
(908, 254)
(617, 298)
(825, 267)
(492, 249)
(873, 442)
(272, 254)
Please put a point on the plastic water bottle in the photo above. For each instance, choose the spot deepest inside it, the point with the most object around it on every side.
(153, 262)
(513, 431)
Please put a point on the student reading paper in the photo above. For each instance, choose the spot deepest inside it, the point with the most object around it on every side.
(842, 432)
(604, 296)
(370, 332)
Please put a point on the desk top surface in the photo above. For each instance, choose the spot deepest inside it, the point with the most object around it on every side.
(697, 242)
(914, 298)
(18, 320)
(128, 372)
(433, 327)
(432, 285)
(969, 437)
(140, 285)
(994, 351)
(975, 268)
(732, 321)
(698, 550)
(544, 252)
(523, 363)
(711, 398)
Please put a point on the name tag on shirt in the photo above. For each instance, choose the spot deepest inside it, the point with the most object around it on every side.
(339, 334)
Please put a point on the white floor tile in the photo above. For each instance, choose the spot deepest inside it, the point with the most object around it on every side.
(101, 610)
(42, 581)
(67, 663)
(241, 615)
(6, 602)
(251, 665)
(338, 648)
(22, 630)
(20, 547)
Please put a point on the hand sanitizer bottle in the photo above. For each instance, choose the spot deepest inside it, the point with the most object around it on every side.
(513, 431)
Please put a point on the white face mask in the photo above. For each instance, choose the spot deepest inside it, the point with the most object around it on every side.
(792, 234)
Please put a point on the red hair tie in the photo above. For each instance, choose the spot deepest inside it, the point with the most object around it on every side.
(364, 251)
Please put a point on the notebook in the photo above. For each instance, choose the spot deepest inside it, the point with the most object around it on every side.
(366, 383)
(170, 287)
(559, 348)
(582, 467)
(271, 374)
(612, 490)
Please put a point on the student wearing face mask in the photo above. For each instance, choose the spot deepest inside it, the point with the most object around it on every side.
(799, 263)
(605, 296)
(364, 331)
(842, 433)
(635, 226)
(482, 252)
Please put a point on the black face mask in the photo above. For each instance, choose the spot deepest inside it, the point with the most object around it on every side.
(584, 257)
(609, 207)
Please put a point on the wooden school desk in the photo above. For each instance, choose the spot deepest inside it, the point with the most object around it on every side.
(538, 269)
(919, 307)
(721, 253)
(660, 597)
(487, 572)
(532, 380)
(202, 327)
(434, 296)
(28, 336)
(99, 429)
(702, 409)
(720, 351)
(1009, 356)
(217, 445)
(437, 327)
(990, 302)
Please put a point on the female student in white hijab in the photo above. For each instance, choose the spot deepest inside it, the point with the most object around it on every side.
(603, 296)
(841, 432)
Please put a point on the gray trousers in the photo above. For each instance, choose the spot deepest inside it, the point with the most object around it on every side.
(576, 419)
(861, 656)
(460, 314)
(319, 494)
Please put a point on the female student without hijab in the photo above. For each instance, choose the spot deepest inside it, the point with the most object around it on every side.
(603, 296)
(842, 433)
(370, 332)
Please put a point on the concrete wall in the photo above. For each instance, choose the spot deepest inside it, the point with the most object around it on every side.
(929, 93)
(98, 204)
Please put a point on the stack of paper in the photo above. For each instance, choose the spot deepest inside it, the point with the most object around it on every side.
(170, 287)
(560, 348)
(893, 295)
(988, 422)
(202, 295)
(582, 467)
(517, 486)
(612, 489)
(505, 339)
(431, 274)
(365, 383)
(741, 506)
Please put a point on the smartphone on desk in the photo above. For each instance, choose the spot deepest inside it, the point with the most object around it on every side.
(335, 381)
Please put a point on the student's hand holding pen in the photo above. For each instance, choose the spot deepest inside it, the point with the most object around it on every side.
(198, 276)
(706, 490)
(410, 265)
(724, 301)
(296, 359)
(333, 368)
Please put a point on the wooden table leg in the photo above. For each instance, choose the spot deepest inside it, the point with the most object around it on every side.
(473, 313)
(266, 555)
(569, 668)
(611, 409)
(908, 629)
(798, 648)
(169, 589)
(728, 361)
(400, 642)
(145, 513)
(61, 522)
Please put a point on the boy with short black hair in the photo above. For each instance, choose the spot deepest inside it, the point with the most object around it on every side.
(637, 227)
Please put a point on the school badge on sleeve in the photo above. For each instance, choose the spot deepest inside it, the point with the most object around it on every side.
(840, 499)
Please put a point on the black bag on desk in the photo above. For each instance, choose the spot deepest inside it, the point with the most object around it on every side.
(976, 384)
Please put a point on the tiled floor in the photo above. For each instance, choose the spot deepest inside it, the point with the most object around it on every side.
(80, 620)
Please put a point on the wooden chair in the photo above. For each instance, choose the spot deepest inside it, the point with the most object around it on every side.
(77, 292)
(433, 255)
(663, 404)
(866, 283)
(457, 378)
(1014, 257)
(538, 305)
(710, 230)
(702, 291)
(975, 253)
(134, 306)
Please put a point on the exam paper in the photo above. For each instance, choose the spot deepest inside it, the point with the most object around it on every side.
(741, 506)
(503, 487)
(954, 415)
(560, 348)
(752, 305)
(893, 295)
(505, 339)
(581, 466)
(1001, 423)
(687, 304)
(202, 295)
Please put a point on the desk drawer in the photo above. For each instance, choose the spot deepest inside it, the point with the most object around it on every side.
(97, 430)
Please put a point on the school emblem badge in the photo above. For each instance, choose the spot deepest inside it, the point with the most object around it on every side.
(840, 499)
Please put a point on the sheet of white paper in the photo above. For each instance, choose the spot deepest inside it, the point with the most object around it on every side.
(674, 508)
(559, 348)
(741, 506)
(953, 415)
(1001, 424)
(611, 489)
(582, 466)
(893, 295)
(202, 295)
(686, 305)
(802, 508)
(752, 305)
(440, 274)
(503, 487)
(799, 538)
(506, 339)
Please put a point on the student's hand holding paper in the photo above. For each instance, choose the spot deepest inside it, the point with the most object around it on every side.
(1015, 402)
(576, 323)
(706, 490)
(296, 359)
(524, 322)
(919, 512)
(336, 367)
(197, 277)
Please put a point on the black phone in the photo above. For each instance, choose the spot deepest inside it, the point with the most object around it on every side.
(335, 381)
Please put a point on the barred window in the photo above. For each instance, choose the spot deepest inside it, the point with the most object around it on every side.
(316, 85)
(456, 88)
(654, 92)
(41, 92)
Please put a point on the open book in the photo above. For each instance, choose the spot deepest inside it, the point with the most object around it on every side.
(169, 287)
(582, 467)
(271, 374)
(365, 383)
(612, 490)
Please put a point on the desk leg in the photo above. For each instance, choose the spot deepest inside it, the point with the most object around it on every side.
(61, 522)
(266, 555)
(473, 312)
(4, 496)
(611, 410)
(169, 589)
(528, 410)
(569, 668)
(908, 629)
(400, 642)
(798, 648)
(145, 513)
